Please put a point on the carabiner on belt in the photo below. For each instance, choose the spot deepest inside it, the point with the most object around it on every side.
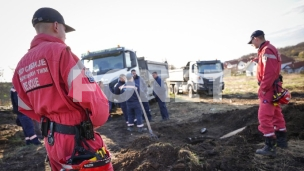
(50, 137)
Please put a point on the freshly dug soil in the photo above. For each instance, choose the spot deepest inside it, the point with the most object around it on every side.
(173, 151)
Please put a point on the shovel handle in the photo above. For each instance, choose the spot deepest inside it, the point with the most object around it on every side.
(143, 109)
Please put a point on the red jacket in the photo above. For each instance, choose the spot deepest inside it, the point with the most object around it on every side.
(269, 66)
(51, 81)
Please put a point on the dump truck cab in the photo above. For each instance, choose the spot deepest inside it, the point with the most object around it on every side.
(108, 64)
(197, 77)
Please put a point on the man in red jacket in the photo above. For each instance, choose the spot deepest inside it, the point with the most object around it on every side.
(56, 89)
(272, 123)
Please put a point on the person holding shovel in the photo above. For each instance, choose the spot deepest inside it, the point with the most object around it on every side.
(133, 104)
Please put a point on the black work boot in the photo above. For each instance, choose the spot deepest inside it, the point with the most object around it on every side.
(141, 129)
(269, 149)
(281, 139)
(130, 128)
(35, 141)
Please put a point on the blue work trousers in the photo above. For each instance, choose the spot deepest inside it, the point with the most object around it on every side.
(147, 110)
(163, 109)
(134, 111)
(27, 125)
(123, 106)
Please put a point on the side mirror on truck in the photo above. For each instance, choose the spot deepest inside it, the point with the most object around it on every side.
(133, 60)
(133, 64)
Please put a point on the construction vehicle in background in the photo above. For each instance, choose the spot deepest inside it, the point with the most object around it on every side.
(197, 77)
(106, 66)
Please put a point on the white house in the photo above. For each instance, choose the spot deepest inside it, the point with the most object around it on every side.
(231, 64)
(296, 67)
(251, 68)
(241, 65)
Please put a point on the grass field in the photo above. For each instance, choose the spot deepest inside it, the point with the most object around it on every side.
(173, 151)
(244, 84)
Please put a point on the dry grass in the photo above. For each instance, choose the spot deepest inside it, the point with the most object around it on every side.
(188, 156)
(244, 84)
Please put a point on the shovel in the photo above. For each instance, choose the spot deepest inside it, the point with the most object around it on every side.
(152, 136)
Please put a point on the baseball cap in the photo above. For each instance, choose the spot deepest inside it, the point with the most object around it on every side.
(49, 15)
(255, 34)
(129, 76)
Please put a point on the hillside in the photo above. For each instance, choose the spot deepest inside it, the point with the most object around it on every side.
(296, 52)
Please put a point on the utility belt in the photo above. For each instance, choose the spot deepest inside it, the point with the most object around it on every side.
(87, 157)
(280, 95)
(280, 79)
(85, 129)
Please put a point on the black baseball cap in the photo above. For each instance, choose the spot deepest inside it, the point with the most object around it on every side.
(50, 15)
(255, 34)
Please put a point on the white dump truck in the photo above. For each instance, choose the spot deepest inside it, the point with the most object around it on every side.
(197, 77)
(106, 65)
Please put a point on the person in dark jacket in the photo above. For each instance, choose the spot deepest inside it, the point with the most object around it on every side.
(159, 92)
(133, 104)
(25, 122)
(143, 93)
(119, 97)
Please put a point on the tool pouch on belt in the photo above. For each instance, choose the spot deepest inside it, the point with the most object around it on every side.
(276, 87)
(280, 79)
(87, 128)
(45, 123)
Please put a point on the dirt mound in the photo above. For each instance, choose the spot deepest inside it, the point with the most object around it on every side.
(173, 152)
(156, 156)
(294, 116)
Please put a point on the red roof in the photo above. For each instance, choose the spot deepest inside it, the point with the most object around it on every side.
(232, 62)
(296, 65)
(286, 59)
(246, 60)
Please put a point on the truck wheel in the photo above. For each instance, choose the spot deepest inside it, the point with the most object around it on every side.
(176, 90)
(190, 92)
(171, 89)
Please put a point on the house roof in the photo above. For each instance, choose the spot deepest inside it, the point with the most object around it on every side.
(246, 59)
(296, 65)
(286, 59)
(232, 62)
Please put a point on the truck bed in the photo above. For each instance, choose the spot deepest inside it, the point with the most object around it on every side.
(176, 75)
(152, 66)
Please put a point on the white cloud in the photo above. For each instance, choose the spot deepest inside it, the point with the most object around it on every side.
(176, 30)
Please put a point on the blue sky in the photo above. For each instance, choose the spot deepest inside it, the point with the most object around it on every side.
(176, 30)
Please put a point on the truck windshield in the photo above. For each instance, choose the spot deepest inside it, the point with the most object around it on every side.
(103, 65)
(210, 68)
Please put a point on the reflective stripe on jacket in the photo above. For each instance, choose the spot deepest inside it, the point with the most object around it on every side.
(51, 81)
(269, 66)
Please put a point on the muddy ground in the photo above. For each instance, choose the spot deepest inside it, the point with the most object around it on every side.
(173, 151)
